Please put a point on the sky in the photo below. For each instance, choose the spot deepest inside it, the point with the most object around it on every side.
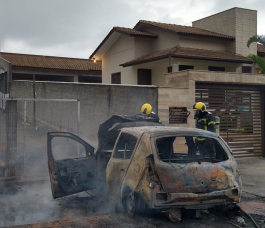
(74, 28)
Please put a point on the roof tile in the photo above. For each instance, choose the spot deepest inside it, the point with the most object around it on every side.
(133, 32)
(261, 48)
(50, 62)
(182, 29)
(191, 53)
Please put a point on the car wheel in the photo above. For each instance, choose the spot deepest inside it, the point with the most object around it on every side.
(130, 203)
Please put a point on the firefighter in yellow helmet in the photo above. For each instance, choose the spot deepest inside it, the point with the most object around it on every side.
(206, 121)
(146, 111)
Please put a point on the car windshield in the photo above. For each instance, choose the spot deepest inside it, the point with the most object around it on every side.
(184, 149)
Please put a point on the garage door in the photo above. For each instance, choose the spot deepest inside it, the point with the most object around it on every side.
(240, 112)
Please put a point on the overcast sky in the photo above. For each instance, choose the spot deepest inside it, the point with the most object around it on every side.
(74, 28)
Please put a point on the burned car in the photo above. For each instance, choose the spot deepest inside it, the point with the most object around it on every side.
(148, 167)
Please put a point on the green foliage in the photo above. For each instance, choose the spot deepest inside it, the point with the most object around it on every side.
(259, 39)
(259, 61)
(256, 38)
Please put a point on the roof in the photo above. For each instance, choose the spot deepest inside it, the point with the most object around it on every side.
(50, 62)
(190, 53)
(180, 29)
(113, 36)
(138, 31)
(133, 32)
(155, 131)
(261, 49)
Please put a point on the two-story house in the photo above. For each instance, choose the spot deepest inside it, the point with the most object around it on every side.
(143, 54)
(204, 62)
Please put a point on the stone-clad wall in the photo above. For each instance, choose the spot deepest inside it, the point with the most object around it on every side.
(181, 89)
(237, 22)
(179, 93)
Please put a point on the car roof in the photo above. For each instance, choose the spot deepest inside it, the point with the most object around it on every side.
(156, 131)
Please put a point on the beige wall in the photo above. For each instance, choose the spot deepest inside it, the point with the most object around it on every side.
(237, 22)
(159, 68)
(165, 40)
(142, 46)
(121, 51)
(203, 42)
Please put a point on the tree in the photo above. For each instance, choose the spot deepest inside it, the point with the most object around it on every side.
(259, 39)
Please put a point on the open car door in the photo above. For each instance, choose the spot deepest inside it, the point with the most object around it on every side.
(71, 163)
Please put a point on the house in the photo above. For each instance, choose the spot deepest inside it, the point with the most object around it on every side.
(15, 67)
(141, 55)
(204, 62)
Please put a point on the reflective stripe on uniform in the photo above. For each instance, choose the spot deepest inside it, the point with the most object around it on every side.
(211, 122)
(201, 139)
(205, 121)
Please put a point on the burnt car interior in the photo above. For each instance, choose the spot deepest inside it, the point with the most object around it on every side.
(185, 149)
(70, 163)
(108, 133)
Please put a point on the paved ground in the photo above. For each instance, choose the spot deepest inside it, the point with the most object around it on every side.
(253, 175)
(33, 205)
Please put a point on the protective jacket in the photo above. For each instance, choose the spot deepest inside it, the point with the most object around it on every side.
(206, 121)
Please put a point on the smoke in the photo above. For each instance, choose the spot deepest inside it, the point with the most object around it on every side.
(33, 203)
(25, 204)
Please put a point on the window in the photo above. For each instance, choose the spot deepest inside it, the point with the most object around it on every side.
(169, 69)
(144, 77)
(185, 67)
(125, 146)
(178, 115)
(116, 78)
(185, 149)
(216, 68)
(108, 146)
(246, 69)
(66, 148)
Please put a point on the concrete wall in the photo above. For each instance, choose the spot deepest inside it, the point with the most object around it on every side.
(7, 76)
(98, 101)
(237, 22)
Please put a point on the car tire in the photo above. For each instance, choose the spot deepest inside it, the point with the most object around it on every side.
(129, 203)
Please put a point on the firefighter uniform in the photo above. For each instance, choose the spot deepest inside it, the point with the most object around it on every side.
(205, 121)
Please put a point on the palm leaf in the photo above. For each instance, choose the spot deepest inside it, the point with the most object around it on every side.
(259, 61)
(257, 38)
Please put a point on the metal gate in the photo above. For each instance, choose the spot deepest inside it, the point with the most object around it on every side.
(240, 112)
(24, 124)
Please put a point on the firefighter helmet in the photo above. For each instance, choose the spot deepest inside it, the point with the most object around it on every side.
(199, 106)
(146, 109)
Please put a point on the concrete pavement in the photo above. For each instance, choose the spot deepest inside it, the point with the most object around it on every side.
(253, 175)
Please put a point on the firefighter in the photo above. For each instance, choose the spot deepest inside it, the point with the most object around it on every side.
(206, 121)
(146, 111)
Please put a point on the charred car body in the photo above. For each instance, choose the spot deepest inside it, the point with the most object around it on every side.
(147, 167)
